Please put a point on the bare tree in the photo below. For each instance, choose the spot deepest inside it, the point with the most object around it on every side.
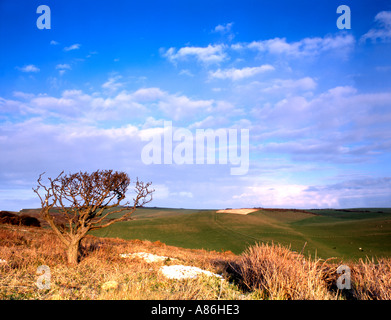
(86, 201)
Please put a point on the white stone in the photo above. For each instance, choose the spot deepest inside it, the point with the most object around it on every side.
(183, 272)
(148, 257)
(110, 285)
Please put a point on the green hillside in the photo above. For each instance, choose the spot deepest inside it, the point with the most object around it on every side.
(344, 234)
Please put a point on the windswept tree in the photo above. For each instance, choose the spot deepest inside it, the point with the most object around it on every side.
(85, 201)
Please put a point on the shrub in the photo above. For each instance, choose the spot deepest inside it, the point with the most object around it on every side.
(277, 272)
(372, 281)
(7, 217)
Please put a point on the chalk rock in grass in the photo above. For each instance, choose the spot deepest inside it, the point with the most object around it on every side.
(3, 261)
(184, 272)
(148, 257)
(110, 285)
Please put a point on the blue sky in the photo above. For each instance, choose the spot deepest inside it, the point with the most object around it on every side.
(86, 93)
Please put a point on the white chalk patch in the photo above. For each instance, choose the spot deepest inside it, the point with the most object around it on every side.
(110, 285)
(237, 211)
(184, 272)
(148, 257)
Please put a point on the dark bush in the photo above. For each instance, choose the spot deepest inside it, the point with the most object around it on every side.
(7, 217)
(29, 221)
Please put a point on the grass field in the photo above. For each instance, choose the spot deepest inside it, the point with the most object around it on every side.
(257, 271)
(343, 234)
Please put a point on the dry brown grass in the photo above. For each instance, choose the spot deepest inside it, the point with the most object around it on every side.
(25, 249)
(276, 272)
(262, 272)
(279, 273)
(372, 281)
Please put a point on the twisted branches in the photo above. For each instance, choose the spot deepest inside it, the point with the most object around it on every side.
(87, 200)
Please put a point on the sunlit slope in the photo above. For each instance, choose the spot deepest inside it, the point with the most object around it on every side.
(326, 233)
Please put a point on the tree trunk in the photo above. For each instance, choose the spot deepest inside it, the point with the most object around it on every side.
(73, 251)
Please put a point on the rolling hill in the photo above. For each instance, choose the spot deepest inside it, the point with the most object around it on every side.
(343, 234)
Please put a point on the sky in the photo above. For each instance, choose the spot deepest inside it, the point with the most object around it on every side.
(297, 95)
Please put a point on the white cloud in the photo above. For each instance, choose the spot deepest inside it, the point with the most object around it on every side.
(151, 122)
(223, 28)
(148, 94)
(361, 192)
(62, 68)
(186, 72)
(92, 53)
(283, 85)
(163, 192)
(38, 146)
(383, 30)
(74, 104)
(112, 84)
(69, 105)
(173, 105)
(75, 46)
(23, 95)
(285, 196)
(213, 122)
(185, 194)
(180, 107)
(238, 74)
(208, 55)
(305, 47)
(121, 107)
(10, 106)
(29, 68)
(75, 144)
(54, 43)
(337, 126)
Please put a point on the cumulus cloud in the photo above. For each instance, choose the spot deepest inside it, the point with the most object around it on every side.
(339, 45)
(285, 196)
(347, 193)
(62, 68)
(75, 46)
(76, 142)
(180, 106)
(382, 32)
(74, 105)
(108, 105)
(112, 85)
(8, 106)
(29, 68)
(175, 106)
(360, 192)
(23, 95)
(305, 47)
(340, 125)
(238, 74)
(186, 72)
(223, 28)
(148, 94)
(37, 146)
(291, 85)
(207, 55)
